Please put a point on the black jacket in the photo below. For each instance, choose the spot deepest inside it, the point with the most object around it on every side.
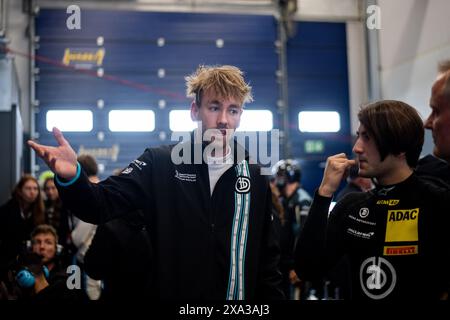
(349, 188)
(431, 166)
(14, 232)
(121, 255)
(396, 238)
(205, 247)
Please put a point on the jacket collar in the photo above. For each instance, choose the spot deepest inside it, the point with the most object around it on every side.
(239, 152)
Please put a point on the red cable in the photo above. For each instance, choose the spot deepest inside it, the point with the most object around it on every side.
(105, 76)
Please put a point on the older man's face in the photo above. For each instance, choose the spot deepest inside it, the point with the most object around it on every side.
(439, 120)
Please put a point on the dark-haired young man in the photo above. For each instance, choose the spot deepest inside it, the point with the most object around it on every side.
(396, 235)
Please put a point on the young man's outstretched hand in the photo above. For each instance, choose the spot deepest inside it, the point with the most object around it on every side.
(62, 160)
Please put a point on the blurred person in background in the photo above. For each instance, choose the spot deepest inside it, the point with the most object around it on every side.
(44, 242)
(295, 202)
(438, 164)
(18, 217)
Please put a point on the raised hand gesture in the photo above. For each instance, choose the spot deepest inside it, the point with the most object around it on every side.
(62, 160)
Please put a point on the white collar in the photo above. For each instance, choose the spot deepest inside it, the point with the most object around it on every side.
(218, 161)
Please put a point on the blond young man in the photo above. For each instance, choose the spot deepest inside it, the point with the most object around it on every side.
(210, 220)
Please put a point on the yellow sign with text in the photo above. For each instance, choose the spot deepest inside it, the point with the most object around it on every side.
(402, 225)
(390, 202)
(91, 56)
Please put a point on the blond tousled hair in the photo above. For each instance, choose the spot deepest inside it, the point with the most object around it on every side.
(225, 81)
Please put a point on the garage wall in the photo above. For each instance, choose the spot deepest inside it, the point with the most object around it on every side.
(415, 35)
(137, 46)
(134, 56)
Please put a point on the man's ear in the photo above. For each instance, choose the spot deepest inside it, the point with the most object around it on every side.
(194, 111)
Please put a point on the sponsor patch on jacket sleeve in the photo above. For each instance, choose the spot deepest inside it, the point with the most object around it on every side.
(127, 170)
(138, 164)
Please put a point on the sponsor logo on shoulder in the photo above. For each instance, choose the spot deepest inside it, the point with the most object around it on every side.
(189, 177)
(390, 202)
(242, 184)
(139, 164)
(127, 170)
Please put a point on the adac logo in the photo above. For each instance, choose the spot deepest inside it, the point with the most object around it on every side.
(242, 184)
(402, 225)
(87, 57)
(390, 202)
(377, 277)
(403, 215)
(363, 212)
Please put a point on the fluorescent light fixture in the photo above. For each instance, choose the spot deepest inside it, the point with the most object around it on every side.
(70, 120)
(131, 120)
(180, 120)
(319, 121)
(256, 120)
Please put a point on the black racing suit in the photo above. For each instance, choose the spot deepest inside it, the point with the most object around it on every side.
(219, 246)
(431, 166)
(396, 237)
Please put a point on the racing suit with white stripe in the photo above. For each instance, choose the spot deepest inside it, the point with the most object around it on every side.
(206, 246)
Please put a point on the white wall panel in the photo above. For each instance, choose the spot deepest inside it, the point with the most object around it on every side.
(415, 36)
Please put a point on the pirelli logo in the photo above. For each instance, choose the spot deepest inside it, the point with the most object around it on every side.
(401, 250)
(388, 202)
(402, 225)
